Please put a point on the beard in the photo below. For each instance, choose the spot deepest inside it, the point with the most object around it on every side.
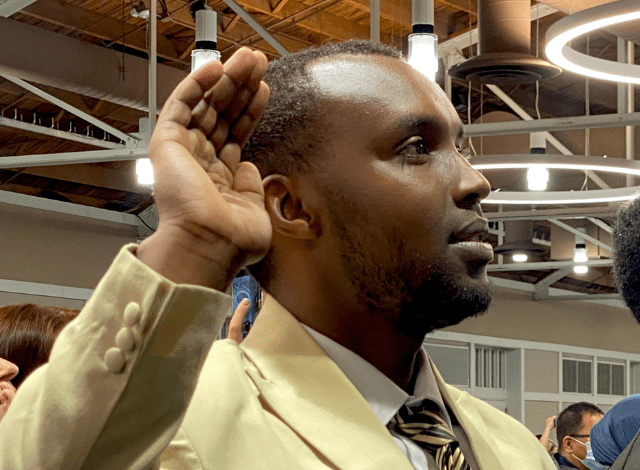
(416, 295)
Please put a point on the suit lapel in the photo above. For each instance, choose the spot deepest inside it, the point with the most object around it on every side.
(308, 391)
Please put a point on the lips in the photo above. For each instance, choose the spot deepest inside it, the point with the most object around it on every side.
(476, 231)
(470, 245)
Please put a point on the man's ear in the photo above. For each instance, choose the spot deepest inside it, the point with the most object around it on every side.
(289, 215)
(566, 445)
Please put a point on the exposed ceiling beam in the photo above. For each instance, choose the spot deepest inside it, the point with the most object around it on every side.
(94, 24)
(52, 132)
(388, 10)
(550, 137)
(558, 124)
(323, 23)
(541, 266)
(67, 158)
(273, 42)
(576, 213)
(575, 231)
(542, 287)
(35, 202)
(9, 7)
(72, 109)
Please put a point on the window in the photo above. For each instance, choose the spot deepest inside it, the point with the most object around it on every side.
(610, 379)
(452, 362)
(490, 368)
(576, 376)
(635, 377)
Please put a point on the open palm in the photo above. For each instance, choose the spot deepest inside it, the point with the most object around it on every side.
(202, 190)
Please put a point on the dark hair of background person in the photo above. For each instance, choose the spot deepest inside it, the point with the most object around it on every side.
(291, 130)
(27, 334)
(626, 255)
(569, 421)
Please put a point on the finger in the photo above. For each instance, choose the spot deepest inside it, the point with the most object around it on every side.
(190, 92)
(230, 155)
(238, 70)
(243, 127)
(244, 96)
(235, 325)
(248, 182)
(203, 117)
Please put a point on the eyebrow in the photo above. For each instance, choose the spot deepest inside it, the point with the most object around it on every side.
(429, 126)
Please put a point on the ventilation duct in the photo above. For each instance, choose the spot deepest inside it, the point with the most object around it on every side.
(504, 30)
(50, 59)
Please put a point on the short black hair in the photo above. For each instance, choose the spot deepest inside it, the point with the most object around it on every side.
(570, 420)
(626, 255)
(291, 131)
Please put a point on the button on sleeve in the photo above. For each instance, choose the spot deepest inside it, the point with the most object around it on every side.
(132, 314)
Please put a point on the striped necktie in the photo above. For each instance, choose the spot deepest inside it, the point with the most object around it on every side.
(425, 425)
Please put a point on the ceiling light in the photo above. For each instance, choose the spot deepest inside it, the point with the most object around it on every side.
(423, 53)
(519, 257)
(537, 177)
(581, 269)
(144, 170)
(580, 253)
(583, 22)
(206, 39)
(562, 162)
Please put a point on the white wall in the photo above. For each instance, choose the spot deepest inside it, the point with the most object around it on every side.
(50, 248)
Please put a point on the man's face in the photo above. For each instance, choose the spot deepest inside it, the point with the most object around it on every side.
(577, 443)
(402, 202)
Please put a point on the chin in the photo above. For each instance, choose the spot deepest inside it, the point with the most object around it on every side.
(444, 299)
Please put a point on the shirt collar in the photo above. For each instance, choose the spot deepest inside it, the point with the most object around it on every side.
(383, 396)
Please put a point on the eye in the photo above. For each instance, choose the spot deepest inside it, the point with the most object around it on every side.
(416, 151)
(465, 152)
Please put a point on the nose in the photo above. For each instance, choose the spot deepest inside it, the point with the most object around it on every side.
(472, 186)
(8, 370)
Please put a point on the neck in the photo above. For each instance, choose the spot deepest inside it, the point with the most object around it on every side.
(369, 336)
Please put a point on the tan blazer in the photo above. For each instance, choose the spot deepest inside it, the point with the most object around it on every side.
(276, 402)
(284, 404)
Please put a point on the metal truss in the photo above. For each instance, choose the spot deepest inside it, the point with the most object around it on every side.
(54, 132)
(242, 13)
(68, 158)
(129, 140)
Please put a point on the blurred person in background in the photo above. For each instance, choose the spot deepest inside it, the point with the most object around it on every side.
(572, 428)
(611, 436)
(27, 334)
(550, 445)
(625, 242)
(8, 371)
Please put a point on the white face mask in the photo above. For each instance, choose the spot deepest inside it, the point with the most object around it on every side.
(589, 461)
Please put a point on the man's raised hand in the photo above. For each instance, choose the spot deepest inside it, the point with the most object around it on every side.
(211, 206)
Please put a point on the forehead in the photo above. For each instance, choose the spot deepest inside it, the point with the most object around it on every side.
(388, 84)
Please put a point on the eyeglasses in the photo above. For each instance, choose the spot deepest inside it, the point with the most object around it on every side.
(579, 435)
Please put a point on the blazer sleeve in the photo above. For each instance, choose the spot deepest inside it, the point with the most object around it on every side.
(119, 378)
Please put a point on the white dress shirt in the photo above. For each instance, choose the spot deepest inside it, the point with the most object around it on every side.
(383, 396)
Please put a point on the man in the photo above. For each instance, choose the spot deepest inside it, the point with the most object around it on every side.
(572, 428)
(367, 220)
(8, 370)
(626, 269)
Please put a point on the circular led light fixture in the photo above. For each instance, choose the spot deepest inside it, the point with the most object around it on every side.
(561, 162)
(583, 22)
